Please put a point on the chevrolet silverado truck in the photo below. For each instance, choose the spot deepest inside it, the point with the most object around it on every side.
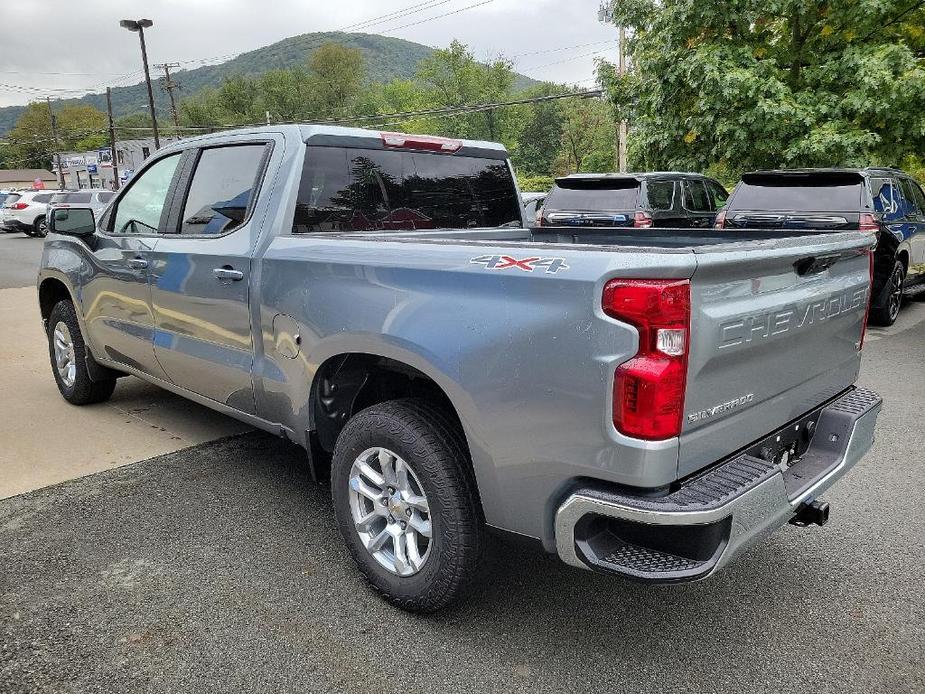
(643, 403)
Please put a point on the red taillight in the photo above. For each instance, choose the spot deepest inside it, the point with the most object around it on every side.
(421, 142)
(643, 220)
(870, 290)
(720, 221)
(648, 390)
(20, 205)
(868, 222)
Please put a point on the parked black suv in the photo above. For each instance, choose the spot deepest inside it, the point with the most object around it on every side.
(886, 201)
(641, 200)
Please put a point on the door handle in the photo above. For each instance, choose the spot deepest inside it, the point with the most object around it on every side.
(137, 263)
(228, 273)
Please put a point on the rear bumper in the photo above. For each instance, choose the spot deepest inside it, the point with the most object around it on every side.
(14, 225)
(694, 531)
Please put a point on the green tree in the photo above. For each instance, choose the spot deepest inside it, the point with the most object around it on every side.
(338, 74)
(540, 133)
(743, 84)
(31, 144)
(588, 137)
(453, 77)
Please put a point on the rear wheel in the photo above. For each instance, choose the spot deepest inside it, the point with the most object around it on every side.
(406, 503)
(40, 228)
(885, 309)
(68, 354)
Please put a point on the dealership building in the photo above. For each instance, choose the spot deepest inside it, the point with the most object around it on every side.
(94, 169)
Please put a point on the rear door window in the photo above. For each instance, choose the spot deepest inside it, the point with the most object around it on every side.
(695, 196)
(887, 197)
(919, 196)
(593, 195)
(910, 204)
(78, 198)
(105, 197)
(42, 198)
(660, 194)
(222, 189)
(718, 195)
(375, 190)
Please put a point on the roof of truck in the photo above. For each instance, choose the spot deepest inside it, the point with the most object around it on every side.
(318, 133)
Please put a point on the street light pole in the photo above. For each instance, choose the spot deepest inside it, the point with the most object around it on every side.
(139, 26)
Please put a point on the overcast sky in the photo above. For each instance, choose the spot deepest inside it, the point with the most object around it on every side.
(81, 42)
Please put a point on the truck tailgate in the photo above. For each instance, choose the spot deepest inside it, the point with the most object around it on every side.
(775, 331)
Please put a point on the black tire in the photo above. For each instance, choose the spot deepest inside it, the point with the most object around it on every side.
(40, 227)
(83, 390)
(432, 444)
(885, 309)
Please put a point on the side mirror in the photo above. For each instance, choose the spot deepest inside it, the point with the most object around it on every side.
(73, 221)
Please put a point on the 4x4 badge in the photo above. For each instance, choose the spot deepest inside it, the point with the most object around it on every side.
(506, 262)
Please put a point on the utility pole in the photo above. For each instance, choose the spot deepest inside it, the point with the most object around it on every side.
(622, 129)
(168, 86)
(54, 137)
(112, 141)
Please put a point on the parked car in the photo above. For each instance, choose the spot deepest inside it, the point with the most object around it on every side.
(628, 399)
(640, 200)
(886, 201)
(26, 213)
(96, 200)
(533, 202)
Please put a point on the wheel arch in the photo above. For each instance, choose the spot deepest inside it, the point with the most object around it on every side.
(350, 381)
(51, 291)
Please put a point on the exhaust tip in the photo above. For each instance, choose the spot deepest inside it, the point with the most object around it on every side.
(813, 513)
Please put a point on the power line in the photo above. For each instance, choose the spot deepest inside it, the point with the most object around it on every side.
(443, 111)
(365, 24)
(566, 60)
(439, 16)
(563, 48)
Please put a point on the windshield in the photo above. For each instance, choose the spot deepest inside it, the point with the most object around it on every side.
(823, 193)
(593, 194)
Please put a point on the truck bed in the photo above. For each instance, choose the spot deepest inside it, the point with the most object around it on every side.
(663, 239)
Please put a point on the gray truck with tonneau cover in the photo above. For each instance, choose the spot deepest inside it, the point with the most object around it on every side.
(642, 402)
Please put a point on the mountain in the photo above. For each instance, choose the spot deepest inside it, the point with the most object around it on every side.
(387, 58)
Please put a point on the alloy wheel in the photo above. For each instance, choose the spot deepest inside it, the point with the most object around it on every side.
(896, 291)
(390, 511)
(65, 359)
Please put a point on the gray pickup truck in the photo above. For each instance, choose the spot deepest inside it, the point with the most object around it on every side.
(644, 403)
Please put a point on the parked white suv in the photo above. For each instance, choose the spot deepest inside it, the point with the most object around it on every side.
(25, 211)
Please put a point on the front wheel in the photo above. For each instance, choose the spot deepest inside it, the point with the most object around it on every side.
(68, 354)
(406, 503)
(885, 308)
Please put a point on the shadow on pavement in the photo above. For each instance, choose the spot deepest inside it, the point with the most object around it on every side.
(219, 568)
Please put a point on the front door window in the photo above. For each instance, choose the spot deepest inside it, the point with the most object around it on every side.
(141, 208)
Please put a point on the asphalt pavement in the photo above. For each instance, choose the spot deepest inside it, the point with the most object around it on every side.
(19, 259)
(218, 568)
